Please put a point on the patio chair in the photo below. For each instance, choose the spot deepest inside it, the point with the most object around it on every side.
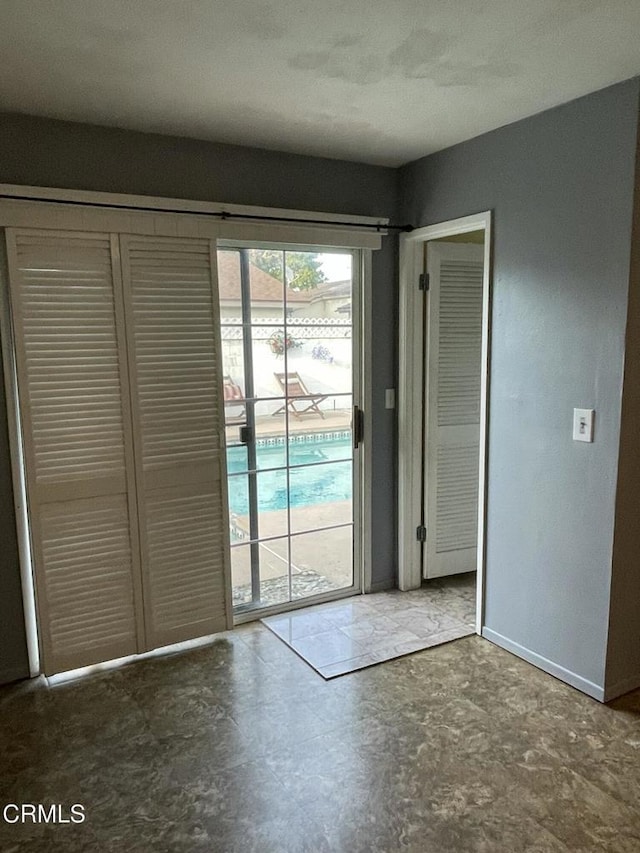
(233, 399)
(296, 391)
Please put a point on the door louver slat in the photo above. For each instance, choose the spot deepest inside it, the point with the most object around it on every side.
(460, 343)
(457, 498)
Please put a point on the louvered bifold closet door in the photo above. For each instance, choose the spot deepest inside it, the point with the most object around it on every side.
(174, 352)
(453, 375)
(72, 376)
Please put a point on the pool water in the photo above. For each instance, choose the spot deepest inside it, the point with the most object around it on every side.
(318, 483)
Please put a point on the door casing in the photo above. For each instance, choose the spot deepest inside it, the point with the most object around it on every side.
(411, 399)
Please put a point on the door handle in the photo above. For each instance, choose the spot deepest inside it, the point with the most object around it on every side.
(245, 435)
(357, 426)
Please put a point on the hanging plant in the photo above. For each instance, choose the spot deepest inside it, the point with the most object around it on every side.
(279, 342)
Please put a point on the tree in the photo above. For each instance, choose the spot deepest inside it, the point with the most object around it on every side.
(304, 269)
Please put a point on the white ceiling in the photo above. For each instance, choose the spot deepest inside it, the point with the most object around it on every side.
(379, 81)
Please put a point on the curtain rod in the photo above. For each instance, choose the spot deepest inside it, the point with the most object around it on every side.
(220, 214)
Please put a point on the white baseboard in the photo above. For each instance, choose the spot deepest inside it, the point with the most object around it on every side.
(566, 675)
(622, 687)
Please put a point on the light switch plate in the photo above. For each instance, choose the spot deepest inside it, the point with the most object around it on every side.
(583, 424)
(390, 398)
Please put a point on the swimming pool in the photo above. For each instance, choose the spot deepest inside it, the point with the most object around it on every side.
(323, 480)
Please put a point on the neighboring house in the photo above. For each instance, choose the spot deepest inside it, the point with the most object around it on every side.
(331, 300)
(266, 291)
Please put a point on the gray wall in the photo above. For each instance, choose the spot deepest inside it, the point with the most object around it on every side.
(623, 655)
(42, 152)
(560, 185)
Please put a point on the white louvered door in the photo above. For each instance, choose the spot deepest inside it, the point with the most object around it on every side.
(452, 419)
(74, 405)
(174, 355)
(120, 393)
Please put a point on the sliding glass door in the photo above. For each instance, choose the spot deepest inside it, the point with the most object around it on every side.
(290, 323)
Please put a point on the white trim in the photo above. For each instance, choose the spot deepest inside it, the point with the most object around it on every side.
(176, 204)
(17, 469)
(549, 666)
(410, 398)
(409, 414)
(23, 206)
(230, 243)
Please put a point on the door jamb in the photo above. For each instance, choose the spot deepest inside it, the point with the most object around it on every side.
(410, 399)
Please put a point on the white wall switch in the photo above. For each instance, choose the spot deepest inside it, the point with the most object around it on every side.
(390, 398)
(583, 424)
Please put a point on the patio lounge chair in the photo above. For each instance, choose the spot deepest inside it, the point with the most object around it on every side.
(296, 391)
(233, 399)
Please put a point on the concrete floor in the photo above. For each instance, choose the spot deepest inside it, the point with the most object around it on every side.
(329, 553)
(240, 746)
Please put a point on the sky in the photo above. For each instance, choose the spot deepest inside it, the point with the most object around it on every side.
(336, 267)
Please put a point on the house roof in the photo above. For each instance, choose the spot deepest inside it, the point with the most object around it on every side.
(332, 290)
(264, 287)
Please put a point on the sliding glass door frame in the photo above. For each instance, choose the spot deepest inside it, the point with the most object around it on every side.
(249, 439)
(251, 609)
